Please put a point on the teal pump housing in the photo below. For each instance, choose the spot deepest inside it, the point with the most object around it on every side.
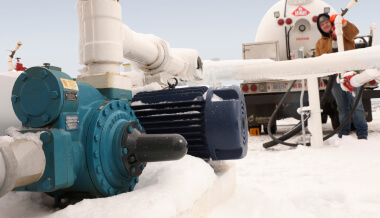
(94, 145)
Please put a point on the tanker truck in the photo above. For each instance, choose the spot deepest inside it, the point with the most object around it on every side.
(288, 31)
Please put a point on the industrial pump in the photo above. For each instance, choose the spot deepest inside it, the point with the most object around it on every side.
(94, 144)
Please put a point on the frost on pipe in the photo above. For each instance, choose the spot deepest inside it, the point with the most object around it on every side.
(216, 71)
(328, 64)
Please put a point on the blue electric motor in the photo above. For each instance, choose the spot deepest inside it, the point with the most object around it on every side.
(94, 145)
(213, 120)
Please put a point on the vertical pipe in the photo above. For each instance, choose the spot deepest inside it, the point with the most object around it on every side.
(339, 32)
(374, 34)
(302, 113)
(100, 35)
(315, 124)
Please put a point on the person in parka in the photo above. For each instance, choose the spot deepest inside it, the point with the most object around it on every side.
(344, 99)
(325, 25)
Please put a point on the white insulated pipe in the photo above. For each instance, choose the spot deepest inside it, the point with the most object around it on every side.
(11, 66)
(3, 169)
(100, 35)
(364, 77)
(351, 3)
(374, 34)
(104, 41)
(315, 124)
(153, 55)
(369, 74)
(324, 65)
(140, 48)
(22, 162)
(339, 32)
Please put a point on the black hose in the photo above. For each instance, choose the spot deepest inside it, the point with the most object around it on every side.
(358, 97)
(287, 43)
(286, 3)
(298, 127)
(274, 115)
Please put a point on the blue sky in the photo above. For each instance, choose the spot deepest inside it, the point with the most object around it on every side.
(49, 29)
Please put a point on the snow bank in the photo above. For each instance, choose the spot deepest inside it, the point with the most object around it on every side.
(14, 134)
(339, 180)
(166, 189)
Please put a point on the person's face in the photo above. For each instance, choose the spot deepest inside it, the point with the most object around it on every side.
(326, 26)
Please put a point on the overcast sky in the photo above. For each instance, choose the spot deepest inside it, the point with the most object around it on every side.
(49, 29)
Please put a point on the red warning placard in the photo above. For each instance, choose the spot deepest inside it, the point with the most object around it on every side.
(300, 11)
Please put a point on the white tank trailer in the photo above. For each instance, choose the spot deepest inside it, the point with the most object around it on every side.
(289, 31)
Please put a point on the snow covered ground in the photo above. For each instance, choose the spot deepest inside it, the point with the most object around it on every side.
(342, 179)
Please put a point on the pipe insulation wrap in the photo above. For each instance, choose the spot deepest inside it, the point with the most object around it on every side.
(374, 34)
(315, 125)
(351, 3)
(24, 162)
(339, 32)
(104, 41)
(11, 66)
(138, 48)
(2, 170)
(100, 40)
(31, 161)
(364, 77)
(10, 165)
(325, 65)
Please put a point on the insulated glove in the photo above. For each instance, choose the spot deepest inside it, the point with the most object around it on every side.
(345, 82)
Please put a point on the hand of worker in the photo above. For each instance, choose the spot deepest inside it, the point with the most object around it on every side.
(345, 82)
(332, 18)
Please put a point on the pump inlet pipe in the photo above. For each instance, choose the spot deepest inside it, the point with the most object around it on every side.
(22, 162)
(104, 41)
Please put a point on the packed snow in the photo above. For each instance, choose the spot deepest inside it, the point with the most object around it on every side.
(339, 180)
